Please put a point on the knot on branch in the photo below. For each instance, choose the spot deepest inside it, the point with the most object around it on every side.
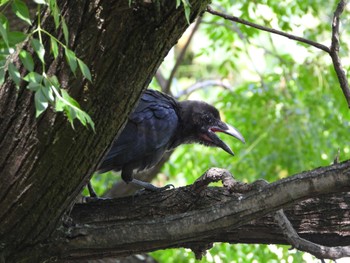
(215, 174)
(199, 250)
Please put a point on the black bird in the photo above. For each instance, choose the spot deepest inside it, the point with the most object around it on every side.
(159, 124)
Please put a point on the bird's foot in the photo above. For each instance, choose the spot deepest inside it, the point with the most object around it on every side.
(148, 187)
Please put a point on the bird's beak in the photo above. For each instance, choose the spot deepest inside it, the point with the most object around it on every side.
(225, 128)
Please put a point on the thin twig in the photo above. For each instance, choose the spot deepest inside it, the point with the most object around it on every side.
(181, 56)
(271, 30)
(334, 51)
(299, 243)
(161, 80)
(203, 84)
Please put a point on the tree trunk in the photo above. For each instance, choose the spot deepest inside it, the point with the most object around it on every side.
(44, 163)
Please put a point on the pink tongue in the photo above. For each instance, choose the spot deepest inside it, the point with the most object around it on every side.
(215, 130)
(206, 137)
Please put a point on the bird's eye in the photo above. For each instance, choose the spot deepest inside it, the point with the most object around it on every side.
(206, 118)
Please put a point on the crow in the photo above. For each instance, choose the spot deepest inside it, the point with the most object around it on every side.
(159, 124)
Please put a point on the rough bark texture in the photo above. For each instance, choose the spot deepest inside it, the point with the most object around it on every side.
(195, 217)
(44, 163)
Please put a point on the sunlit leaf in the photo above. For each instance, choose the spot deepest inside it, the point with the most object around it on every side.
(54, 47)
(41, 101)
(71, 59)
(27, 60)
(39, 49)
(2, 2)
(55, 11)
(3, 31)
(21, 10)
(2, 76)
(84, 69)
(65, 30)
(14, 74)
(33, 77)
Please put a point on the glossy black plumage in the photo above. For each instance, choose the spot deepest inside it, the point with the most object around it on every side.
(146, 136)
(158, 124)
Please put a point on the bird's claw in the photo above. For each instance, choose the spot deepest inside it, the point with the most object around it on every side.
(153, 189)
(165, 187)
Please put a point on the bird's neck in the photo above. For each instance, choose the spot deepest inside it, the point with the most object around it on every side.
(185, 131)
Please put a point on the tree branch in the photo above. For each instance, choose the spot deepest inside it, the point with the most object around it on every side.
(183, 216)
(203, 84)
(334, 51)
(302, 244)
(271, 30)
(181, 56)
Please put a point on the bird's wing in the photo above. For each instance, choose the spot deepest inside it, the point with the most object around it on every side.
(147, 134)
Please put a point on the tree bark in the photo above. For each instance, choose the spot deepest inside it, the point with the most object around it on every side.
(44, 163)
(195, 217)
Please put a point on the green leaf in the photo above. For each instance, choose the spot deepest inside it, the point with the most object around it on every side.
(54, 81)
(21, 10)
(48, 91)
(55, 11)
(41, 101)
(72, 109)
(187, 9)
(2, 2)
(84, 69)
(33, 77)
(65, 31)
(4, 21)
(27, 60)
(71, 59)
(14, 73)
(2, 76)
(54, 48)
(33, 86)
(39, 49)
(3, 31)
(15, 37)
(187, 13)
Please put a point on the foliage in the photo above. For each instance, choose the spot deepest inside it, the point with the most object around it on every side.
(46, 87)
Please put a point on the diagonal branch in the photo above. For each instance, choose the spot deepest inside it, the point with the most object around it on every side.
(181, 56)
(334, 51)
(305, 245)
(271, 30)
(203, 84)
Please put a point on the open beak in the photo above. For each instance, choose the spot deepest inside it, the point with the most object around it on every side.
(225, 128)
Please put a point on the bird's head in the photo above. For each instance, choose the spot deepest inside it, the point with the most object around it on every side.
(202, 121)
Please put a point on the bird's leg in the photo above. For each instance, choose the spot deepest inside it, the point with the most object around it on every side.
(128, 178)
(93, 196)
(149, 186)
(91, 190)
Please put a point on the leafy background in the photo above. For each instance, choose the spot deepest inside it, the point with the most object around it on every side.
(284, 98)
